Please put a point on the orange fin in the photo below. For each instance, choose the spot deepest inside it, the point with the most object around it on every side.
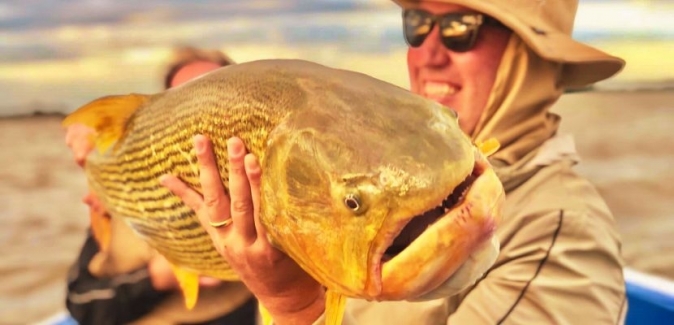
(101, 228)
(489, 146)
(108, 116)
(189, 284)
(335, 304)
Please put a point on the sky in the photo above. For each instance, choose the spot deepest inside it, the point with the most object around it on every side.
(58, 54)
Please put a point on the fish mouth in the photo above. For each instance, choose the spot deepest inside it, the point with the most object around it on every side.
(429, 247)
(419, 223)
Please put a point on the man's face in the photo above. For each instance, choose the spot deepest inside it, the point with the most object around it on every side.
(459, 80)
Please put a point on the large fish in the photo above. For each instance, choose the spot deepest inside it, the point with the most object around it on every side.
(374, 191)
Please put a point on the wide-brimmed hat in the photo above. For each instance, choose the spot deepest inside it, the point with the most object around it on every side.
(546, 26)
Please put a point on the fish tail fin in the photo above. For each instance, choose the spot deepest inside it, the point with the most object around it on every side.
(335, 304)
(189, 284)
(108, 116)
(265, 315)
(489, 147)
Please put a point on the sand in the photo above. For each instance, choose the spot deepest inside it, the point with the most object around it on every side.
(625, 139)
(43, 219)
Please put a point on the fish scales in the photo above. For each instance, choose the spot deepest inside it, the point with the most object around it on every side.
(158, 140)
(354, 170)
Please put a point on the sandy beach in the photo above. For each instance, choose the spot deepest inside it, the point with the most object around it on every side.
(43, 219)
(626, 144)
(625, 140)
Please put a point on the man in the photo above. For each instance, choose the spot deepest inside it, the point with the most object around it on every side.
(118, 278)
(500, 65)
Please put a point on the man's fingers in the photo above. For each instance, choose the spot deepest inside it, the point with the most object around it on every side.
(239, 190)
(189, 196)
(253, 172)
(215, 200)
(192, 200)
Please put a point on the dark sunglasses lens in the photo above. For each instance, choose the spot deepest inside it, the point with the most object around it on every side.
(460, 43)
(456, 35)
(416, 26)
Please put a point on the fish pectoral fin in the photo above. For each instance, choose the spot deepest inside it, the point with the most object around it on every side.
(101, 228)
(489, 147)
(335, 304)
(189, 285)
(108, 116)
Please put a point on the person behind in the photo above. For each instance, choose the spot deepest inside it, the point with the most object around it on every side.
(189, 63)
(501, 65)
(120, 279)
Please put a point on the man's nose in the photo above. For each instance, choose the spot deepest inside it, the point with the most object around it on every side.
(433, 52)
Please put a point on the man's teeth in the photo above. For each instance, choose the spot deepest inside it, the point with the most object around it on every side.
(438, 89)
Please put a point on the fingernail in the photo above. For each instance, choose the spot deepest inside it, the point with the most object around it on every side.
(198, 144)
(252, 164)
(162, 179)
(232, 147)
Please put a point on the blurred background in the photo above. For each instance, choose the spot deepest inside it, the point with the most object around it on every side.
(57, 55)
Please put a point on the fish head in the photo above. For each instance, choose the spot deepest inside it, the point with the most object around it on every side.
(372, 192)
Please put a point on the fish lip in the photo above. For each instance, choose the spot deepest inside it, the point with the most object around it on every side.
(391, 286)
(374, 286)
(478, 169)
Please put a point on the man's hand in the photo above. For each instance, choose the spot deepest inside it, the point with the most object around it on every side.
(289, 294)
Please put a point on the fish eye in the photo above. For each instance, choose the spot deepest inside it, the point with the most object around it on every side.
(352, 201)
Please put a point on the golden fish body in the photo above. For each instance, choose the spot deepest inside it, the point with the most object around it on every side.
(349, 165)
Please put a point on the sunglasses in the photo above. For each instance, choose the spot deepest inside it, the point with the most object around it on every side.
(458, 31)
